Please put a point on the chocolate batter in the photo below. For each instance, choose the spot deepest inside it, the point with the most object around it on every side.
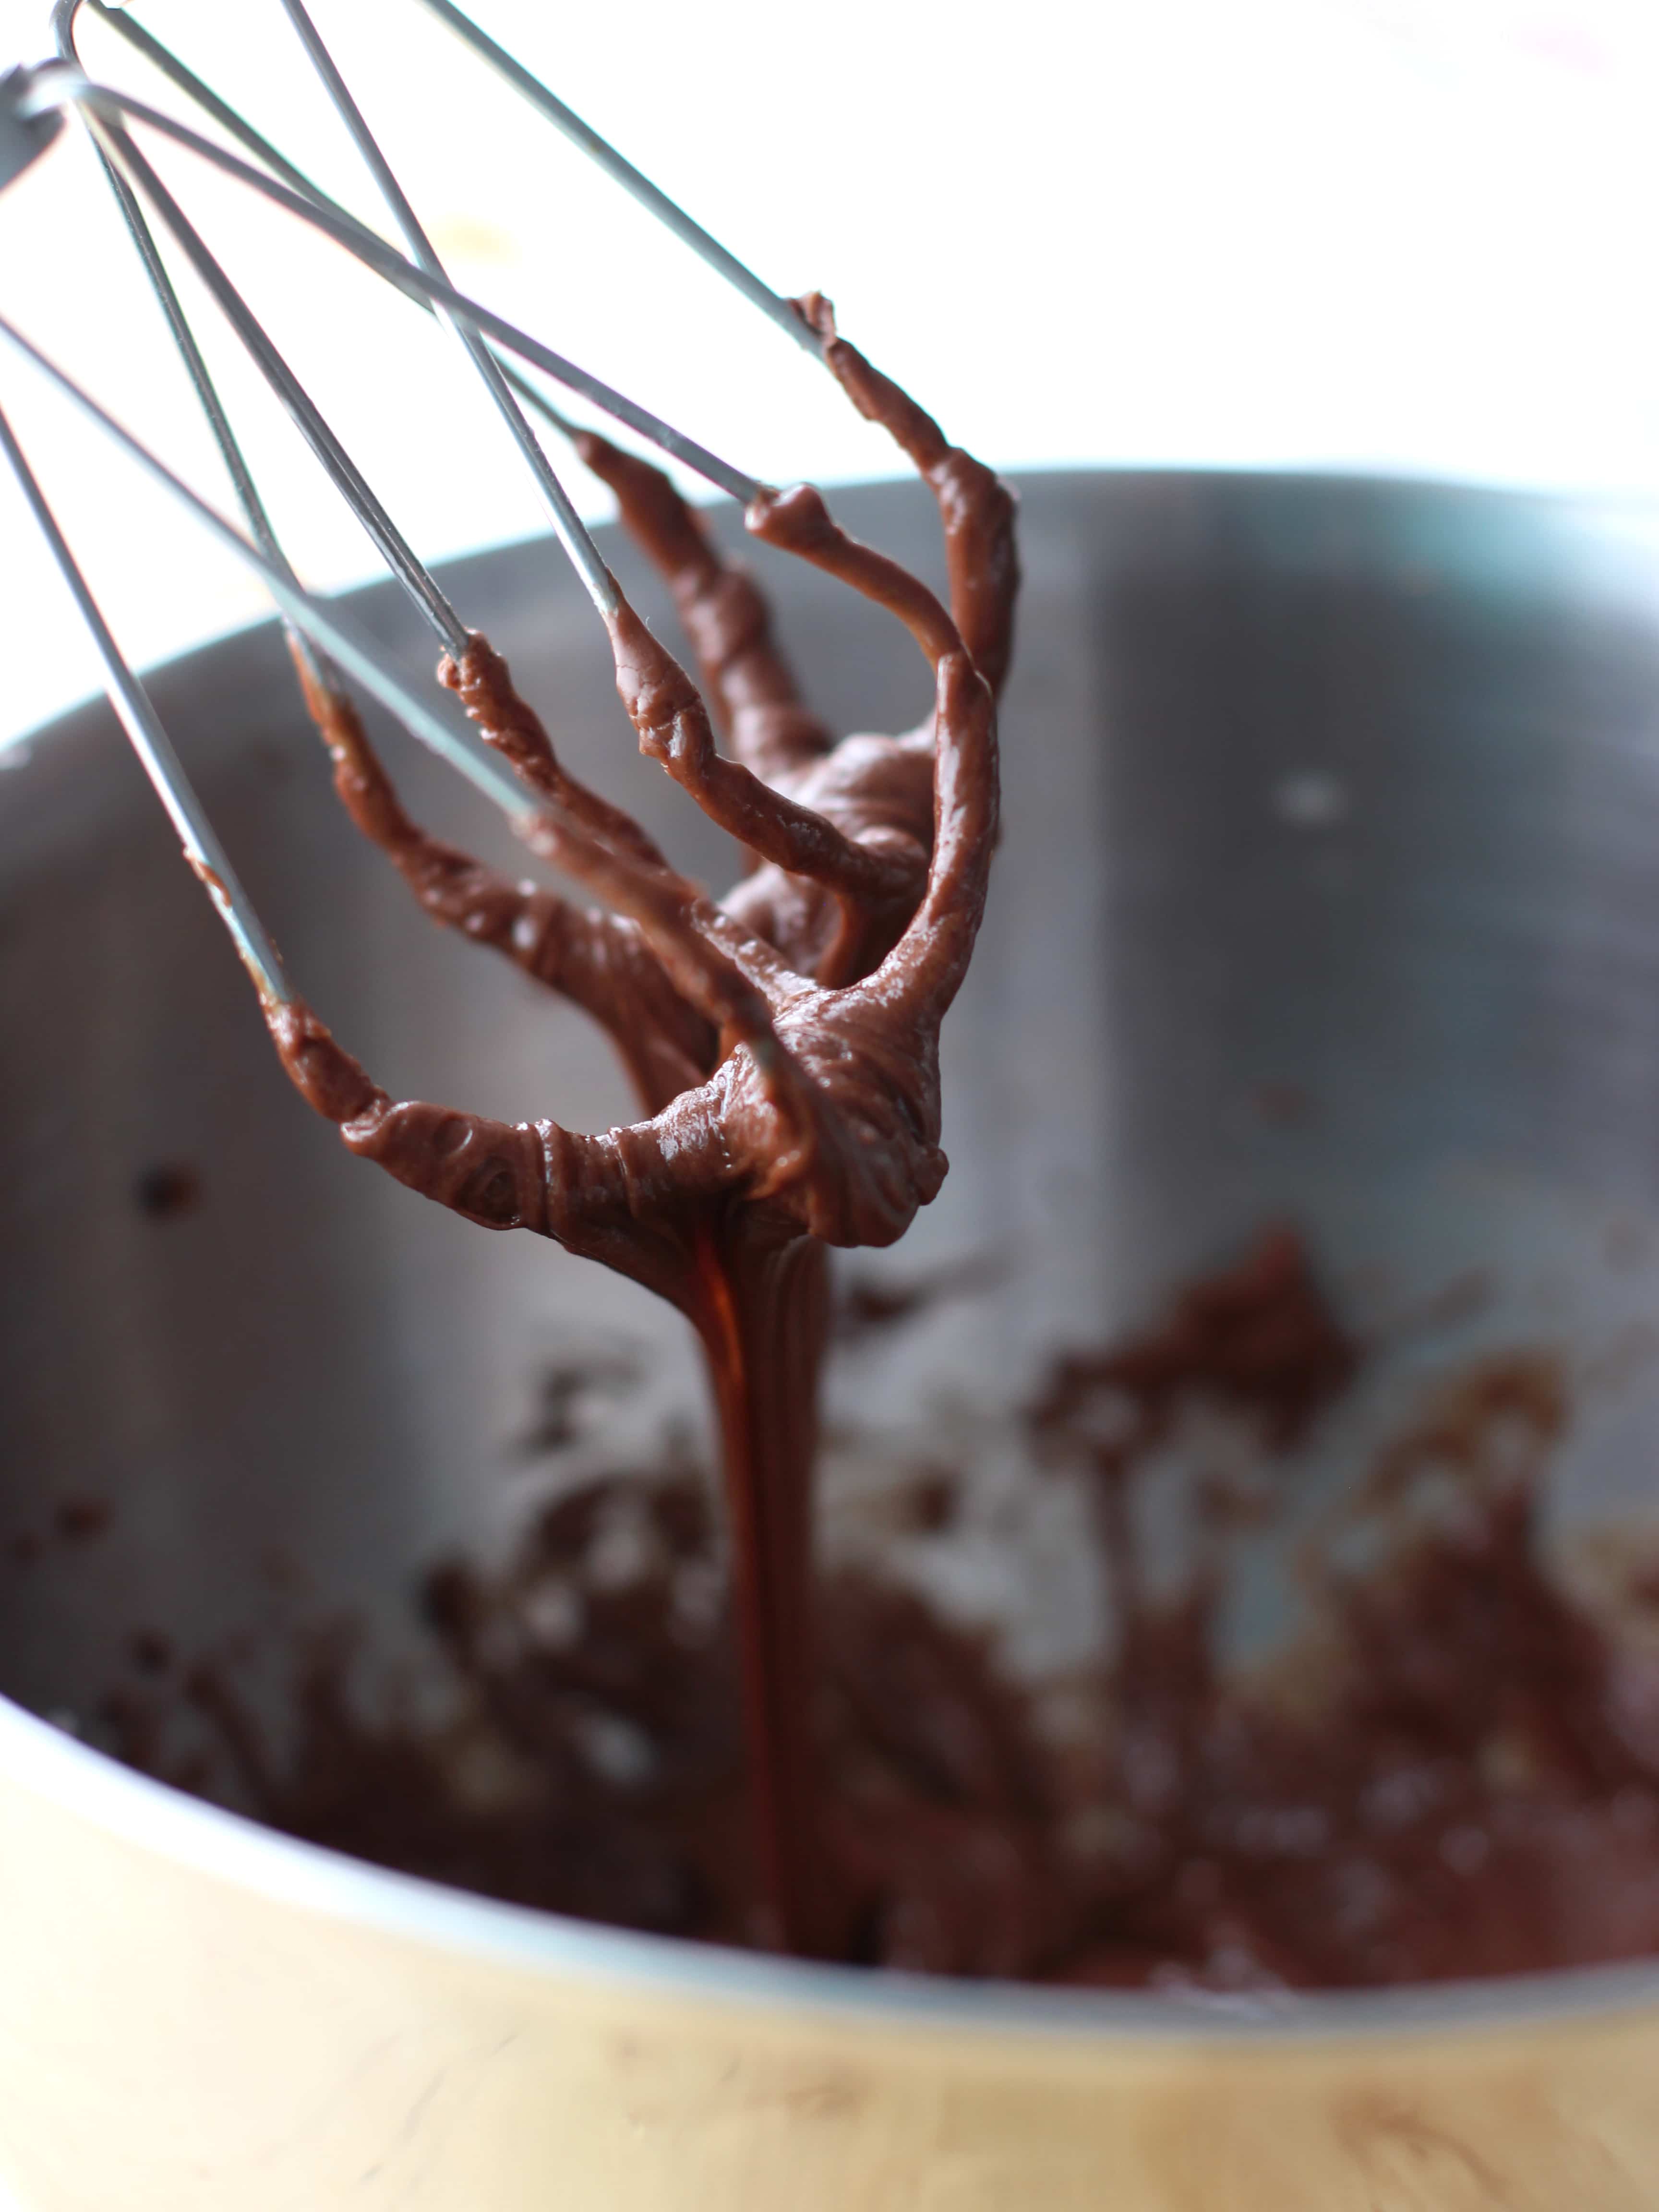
(784, 1041)
(1454, 1772)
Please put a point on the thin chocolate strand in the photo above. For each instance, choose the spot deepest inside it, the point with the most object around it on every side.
(976, 507)
(601, 962)
(674, 730)
(752, 690)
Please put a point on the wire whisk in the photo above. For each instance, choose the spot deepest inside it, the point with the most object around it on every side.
(783, 1039)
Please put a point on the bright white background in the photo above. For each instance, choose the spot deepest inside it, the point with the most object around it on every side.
(1403, 234)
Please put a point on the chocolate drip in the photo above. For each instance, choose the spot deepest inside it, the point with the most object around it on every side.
(784, 1042)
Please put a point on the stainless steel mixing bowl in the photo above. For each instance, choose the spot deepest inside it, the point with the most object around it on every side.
(1330, 889)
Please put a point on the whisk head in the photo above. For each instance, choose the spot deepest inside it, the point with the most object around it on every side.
(738, 987)
(783, 1039)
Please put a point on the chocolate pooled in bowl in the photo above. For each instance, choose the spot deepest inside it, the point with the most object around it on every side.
(1453, 1773)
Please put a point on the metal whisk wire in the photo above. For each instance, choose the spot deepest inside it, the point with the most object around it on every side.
(237, 126)
(599, 150)
(117, 145)
(64, 17)
(672, 216)
(330, 630)
(567, 524)
(54, 86)
(31, 104)
(143, 725)
(501, 380)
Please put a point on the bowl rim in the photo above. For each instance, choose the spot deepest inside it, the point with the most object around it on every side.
(38, 1756)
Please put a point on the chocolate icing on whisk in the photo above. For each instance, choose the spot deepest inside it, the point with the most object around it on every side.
(783, 1040)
